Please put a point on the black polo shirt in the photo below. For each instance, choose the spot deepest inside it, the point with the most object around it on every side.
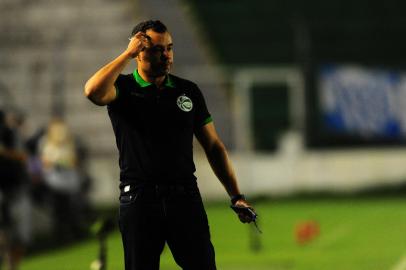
(154, 128)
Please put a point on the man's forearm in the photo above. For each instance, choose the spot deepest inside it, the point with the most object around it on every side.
(98, 86)
(221, 165)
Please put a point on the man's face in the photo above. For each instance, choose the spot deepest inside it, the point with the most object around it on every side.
(157, 60)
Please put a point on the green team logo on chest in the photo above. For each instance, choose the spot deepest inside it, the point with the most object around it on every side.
(184, 103)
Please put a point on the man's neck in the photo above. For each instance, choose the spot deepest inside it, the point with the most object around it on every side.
(158, 81)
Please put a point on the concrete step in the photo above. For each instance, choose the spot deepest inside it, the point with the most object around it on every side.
(62, 12)
(30, 24)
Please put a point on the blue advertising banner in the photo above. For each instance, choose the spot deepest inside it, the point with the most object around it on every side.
(365, 102)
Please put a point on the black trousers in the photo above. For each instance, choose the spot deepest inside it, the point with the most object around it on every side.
(152, 215)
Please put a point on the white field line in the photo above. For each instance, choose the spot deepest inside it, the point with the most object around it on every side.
(401, 265)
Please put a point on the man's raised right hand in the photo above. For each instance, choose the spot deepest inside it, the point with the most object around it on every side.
(138, 43)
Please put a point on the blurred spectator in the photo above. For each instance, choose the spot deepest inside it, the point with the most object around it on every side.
(15, 223)
(59, 158)
(38, 188)
(34, 162)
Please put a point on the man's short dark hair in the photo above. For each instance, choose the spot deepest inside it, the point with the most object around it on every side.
(156, 26)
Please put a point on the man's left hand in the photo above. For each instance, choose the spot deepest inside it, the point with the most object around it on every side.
(243, 215)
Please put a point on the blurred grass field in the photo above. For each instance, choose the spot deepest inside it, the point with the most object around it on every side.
(355, 234)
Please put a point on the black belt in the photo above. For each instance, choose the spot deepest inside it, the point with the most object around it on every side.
(159, 188)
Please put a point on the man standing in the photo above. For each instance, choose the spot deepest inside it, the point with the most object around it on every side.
(154, 115)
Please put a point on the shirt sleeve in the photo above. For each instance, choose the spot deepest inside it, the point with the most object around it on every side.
(121, 90)
(201, 115)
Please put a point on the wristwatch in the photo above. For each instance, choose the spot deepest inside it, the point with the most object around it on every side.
(237, 197)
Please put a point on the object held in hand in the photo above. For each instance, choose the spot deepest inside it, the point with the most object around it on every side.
(247, 211)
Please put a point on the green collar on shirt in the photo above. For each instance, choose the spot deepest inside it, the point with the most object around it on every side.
(143, 83)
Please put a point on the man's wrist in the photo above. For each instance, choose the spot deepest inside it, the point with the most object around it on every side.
(129, 55)
(236, 198)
